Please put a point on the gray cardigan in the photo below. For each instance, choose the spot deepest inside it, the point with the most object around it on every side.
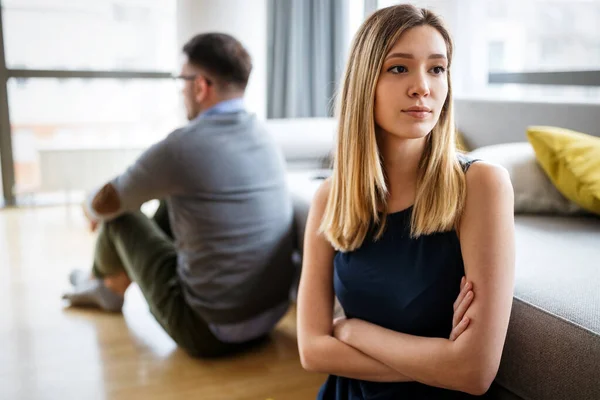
(223, 178)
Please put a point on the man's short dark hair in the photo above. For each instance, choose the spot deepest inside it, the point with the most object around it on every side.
(221, 56)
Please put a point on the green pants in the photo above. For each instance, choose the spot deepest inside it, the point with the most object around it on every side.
(144, 249)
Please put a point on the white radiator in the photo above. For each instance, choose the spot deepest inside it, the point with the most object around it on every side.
(306, 144)
(82, 169)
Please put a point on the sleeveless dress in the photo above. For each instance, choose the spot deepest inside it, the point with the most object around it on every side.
(407, 285)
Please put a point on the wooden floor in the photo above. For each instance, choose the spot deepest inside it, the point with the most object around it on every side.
(48, 351)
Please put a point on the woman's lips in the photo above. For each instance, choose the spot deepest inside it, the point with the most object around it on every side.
(418, 114)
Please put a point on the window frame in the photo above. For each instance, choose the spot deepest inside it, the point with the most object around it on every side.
(6, 148)
(559, 77)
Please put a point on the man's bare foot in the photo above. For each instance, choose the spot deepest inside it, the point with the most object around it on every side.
(118, 283)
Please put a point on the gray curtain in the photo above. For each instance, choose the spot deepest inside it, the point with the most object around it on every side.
(308, 41)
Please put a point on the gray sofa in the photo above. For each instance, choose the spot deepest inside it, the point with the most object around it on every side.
(552, 349)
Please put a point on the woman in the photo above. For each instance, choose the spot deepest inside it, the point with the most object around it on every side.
(398, 224)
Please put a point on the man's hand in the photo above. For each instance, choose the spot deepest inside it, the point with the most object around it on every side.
(461, 305)
(105, 202)
(93, 222)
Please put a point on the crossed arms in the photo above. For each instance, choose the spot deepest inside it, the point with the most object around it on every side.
(358, 349)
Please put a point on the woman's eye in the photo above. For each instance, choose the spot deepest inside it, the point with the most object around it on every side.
(398, 69)
(438, 70)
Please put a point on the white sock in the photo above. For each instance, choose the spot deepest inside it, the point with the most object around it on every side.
(90, 292)
(78, 276)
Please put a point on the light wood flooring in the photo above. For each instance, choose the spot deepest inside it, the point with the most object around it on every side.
(48, 351)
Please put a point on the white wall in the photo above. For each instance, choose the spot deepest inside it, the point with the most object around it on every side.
(246, 21)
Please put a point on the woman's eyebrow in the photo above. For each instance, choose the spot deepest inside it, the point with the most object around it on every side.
(408, 55)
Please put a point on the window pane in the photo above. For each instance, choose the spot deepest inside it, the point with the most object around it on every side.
(545, 35)
(520, 36)
(90, 34)
(72, 116)
(356, 15)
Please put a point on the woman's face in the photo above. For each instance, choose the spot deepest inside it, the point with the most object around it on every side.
(413, 84)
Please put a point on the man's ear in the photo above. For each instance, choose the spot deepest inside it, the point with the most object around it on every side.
(201, 88)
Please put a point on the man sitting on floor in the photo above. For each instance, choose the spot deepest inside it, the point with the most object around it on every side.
(214, 264)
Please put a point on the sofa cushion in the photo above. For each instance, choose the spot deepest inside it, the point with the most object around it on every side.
(552, 348)
(534, 191)
(572, 161)
(305, 142)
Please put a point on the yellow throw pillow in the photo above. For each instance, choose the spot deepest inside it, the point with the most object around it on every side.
(572, 162)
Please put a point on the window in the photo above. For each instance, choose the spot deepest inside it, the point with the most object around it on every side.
(90, 35)
(496, 55)
(356, 16)
(553, 34)
(520, 36)
(85, 75)
(79, 114)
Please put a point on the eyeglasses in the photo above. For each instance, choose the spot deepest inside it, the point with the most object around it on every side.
(180, 78)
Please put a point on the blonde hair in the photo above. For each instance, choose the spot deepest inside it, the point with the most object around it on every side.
(358, 195)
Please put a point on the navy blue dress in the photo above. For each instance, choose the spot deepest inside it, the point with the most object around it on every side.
(407, 285)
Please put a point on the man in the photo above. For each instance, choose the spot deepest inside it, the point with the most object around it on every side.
(214, 264)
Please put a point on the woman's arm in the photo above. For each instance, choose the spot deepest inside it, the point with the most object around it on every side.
(319, 350)
(470, 363)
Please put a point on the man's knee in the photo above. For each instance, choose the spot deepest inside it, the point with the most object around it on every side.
(124, 223)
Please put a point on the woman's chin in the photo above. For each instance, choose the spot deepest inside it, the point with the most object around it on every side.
(411, 134)
(406, 131)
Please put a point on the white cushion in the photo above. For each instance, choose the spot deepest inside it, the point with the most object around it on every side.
(303, 138)
(534, 192)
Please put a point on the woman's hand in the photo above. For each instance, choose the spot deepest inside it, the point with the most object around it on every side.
(461, 305)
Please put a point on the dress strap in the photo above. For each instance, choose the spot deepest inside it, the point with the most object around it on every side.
(466, 162)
